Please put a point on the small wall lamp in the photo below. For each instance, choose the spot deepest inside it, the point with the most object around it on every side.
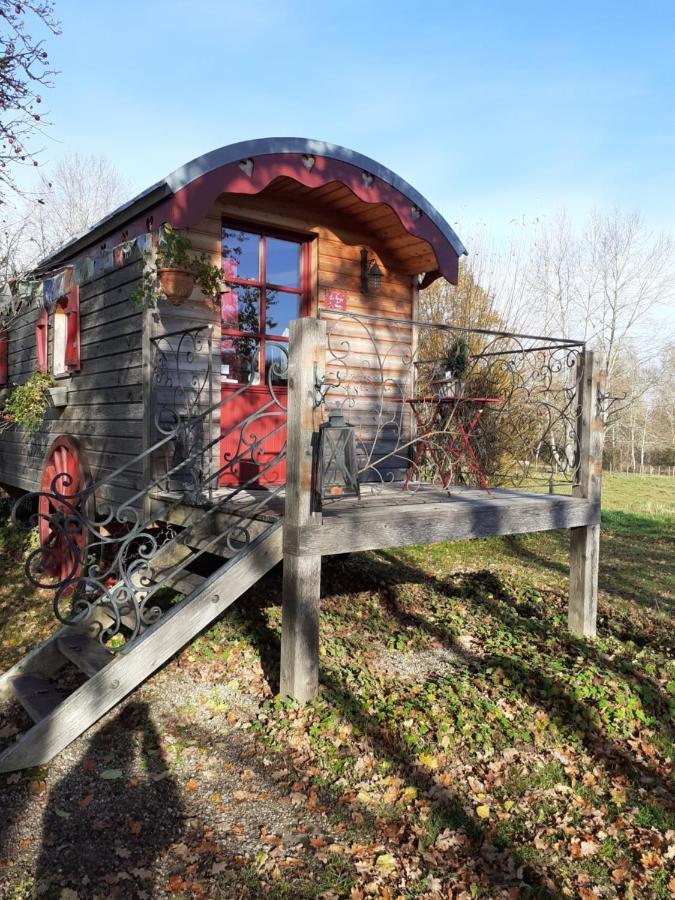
(371, 273)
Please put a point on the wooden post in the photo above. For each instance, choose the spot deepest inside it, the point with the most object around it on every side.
(585, 541)
(302, 573)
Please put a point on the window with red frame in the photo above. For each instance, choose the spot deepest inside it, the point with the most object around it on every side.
(265, 277)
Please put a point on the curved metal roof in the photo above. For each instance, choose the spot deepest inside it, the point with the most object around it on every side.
(231, 153)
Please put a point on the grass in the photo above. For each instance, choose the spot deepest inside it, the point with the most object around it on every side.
(553, 754)
(532, 761)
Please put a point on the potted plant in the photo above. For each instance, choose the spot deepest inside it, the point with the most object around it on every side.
(453, 368)
(179, 268)
(27, 403)
(175, 265)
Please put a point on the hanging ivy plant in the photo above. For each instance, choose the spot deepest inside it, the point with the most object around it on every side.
(27, 403)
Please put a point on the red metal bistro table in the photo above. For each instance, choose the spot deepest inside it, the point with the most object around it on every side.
(434, 414)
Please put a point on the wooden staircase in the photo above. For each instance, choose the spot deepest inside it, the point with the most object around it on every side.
(60, 718)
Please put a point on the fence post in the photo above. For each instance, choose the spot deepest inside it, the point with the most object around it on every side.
(585, 541)
(302, 572)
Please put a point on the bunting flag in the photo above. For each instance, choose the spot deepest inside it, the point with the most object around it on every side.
(59, 285)
(48, 296)
(86, 268)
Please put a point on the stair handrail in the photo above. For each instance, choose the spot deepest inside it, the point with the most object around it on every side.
(86, 532)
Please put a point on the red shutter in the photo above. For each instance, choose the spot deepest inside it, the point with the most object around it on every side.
(4, 345)
(73, 330)
(41, 340)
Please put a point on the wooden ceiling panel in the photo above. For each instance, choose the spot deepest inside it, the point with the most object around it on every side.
(376, 224)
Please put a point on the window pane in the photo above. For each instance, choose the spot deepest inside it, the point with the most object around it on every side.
(281, 309)
(240, 308)
(276, 364)
(60, 339)
(239, 360)
(283, 263)
(241, 255)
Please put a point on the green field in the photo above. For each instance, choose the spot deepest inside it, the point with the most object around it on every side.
(463, 744)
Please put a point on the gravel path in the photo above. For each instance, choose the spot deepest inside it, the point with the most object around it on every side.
(165, 796)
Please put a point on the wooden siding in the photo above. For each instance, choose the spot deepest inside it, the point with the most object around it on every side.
(104, 411)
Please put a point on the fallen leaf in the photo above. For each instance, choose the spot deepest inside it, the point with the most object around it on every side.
(134, 826)
(385, 862)
(317, 842)
(143, 874)
(483, 812)
(588, 848)
(428, 760)
(191, 785)
(85, 801)
(111, 774)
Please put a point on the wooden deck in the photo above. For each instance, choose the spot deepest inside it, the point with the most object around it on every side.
(391, 517)
(387, 516)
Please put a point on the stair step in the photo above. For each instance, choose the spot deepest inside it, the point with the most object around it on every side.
(37, 695)
(213, 544)
(185, 582)
(89, 655)
(71, 717)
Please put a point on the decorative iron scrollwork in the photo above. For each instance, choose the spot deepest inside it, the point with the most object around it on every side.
(118, 554)
(527, 434)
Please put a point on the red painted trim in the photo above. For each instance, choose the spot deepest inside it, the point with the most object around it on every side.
(73, 330)
(189, 205)
(41, 336)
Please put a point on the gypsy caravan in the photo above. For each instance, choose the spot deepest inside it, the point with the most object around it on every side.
(234, 371)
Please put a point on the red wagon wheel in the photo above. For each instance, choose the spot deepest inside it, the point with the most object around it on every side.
(63, 539)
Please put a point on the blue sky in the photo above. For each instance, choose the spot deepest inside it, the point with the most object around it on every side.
(496, 111)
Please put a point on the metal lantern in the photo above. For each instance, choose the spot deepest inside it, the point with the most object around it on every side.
(371, 273)
(338, 476)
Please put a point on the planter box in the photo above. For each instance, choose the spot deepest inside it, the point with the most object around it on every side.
(58, 396)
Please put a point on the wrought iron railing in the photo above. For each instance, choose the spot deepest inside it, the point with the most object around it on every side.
(510, 419)
(119, 557)
(182, 390)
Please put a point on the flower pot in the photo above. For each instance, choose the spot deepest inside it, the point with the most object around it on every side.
(58, 396)
(448, 385)
(177, 284)
(456, 386)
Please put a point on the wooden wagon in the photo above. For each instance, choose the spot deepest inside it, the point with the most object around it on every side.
(180, 445)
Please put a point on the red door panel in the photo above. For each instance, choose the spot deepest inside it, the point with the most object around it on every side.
(255, 466)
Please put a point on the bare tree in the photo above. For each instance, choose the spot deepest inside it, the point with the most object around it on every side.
(561, 292)
(80, 190)
(492, 286)
(628, 272)
(24, 74)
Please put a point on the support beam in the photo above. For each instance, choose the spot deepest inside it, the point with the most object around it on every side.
(585, 541)
(300, 627)
(302, 574)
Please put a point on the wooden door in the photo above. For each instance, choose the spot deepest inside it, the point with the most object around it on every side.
(265, 289)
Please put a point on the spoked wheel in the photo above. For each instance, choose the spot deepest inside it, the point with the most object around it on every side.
(62, 538)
